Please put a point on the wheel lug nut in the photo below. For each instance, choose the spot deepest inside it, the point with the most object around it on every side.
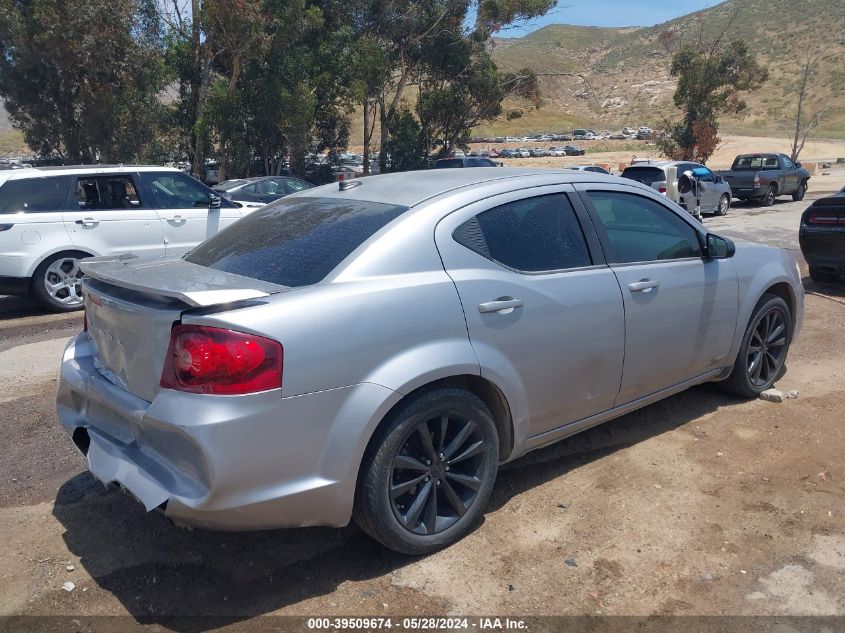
(438, 482)
(428, 462)
(428, 479)
(447, 469)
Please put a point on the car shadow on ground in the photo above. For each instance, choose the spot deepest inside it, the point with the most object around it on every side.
(158, 571)
(19, 307)
(834, 289)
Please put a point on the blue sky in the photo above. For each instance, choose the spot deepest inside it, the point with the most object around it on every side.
(612, 13)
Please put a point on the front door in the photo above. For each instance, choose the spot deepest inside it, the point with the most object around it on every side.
(106, 215)
(183, 210)
(680, 308)
(543, 319)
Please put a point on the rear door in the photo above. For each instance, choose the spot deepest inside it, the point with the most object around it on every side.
(106, 214)
(680, 308)
(544, 312)
(184, 211)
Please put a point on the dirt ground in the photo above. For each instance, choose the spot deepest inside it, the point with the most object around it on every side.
(699, 505)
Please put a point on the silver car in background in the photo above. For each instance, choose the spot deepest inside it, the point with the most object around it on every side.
(376, 349)
(715, 192)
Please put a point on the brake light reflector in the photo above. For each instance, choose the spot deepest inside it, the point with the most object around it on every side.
(756, 180)
(662, 190)
(824, 217)
(211, 360)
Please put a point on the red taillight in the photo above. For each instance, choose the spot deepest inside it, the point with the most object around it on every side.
(212, 360)
(756, 180)
(662, 189)
(825, 217)
(85, 321)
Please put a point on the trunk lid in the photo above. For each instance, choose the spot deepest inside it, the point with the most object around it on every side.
(131, 305)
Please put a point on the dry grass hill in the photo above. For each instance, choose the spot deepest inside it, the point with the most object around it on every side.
(624, 72)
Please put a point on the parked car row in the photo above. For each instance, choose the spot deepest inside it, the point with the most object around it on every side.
(579, 134)
(535, 152)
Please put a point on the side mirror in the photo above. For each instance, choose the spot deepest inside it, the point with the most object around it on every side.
(213, 201)
(719, 247)
(798, 165)
(719, 179)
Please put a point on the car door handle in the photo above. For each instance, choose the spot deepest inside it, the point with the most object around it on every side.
(502, 305)
(87, 222)
(643, 285)
(178, 219)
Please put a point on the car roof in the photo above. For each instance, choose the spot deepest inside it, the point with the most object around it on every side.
(73, 170)
(410, 188)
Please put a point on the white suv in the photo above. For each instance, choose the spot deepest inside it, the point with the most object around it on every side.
(50, 218)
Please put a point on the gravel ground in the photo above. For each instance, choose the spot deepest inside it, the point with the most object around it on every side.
(699, 505)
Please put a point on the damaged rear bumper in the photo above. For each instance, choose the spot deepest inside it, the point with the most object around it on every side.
(222, 462)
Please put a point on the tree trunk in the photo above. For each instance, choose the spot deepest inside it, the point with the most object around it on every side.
(366, 137)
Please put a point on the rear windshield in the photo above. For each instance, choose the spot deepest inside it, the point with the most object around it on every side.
(645, 175)
(32, 195)
(448, 162)
(755, 162)
(294, 241)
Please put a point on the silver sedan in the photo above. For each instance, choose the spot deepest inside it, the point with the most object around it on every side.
(376, 349)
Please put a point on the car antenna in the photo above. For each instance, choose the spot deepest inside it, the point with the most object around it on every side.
(343, 184)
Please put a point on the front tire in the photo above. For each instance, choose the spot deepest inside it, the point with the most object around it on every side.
(428, 472)
(762, 354)
(799, 194)
(56, 283)
(724, 205)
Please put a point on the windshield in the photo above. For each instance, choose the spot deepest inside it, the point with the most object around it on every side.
(294, 241)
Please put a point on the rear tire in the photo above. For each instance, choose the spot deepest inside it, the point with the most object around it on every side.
(798, 195)
(423, 484)
(56, 282)
(769, 198)
(761, 360)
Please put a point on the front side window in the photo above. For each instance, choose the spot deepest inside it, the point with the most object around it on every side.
(639, 229)
(293, 185)
(176, 191)
(106, 193)
(530, 235)
(294, 241)
(33, 195)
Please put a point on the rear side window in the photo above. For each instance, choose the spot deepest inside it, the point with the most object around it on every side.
(294, 241)
(531, 235)
(645, 175)
(106, 193)
(34, 195)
